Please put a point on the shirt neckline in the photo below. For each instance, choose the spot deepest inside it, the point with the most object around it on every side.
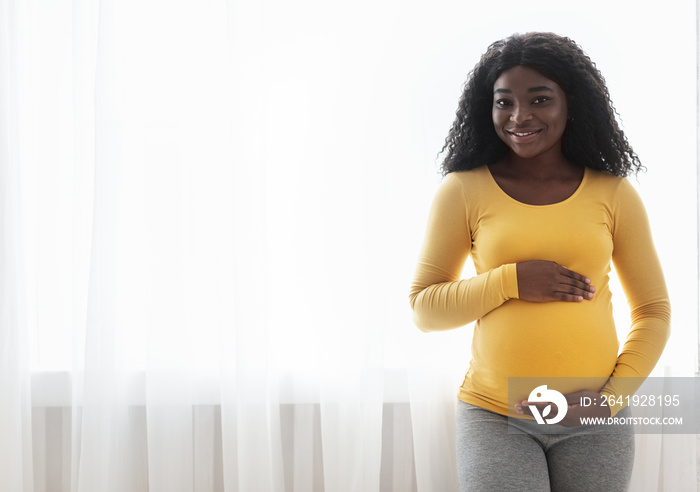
(562, 202)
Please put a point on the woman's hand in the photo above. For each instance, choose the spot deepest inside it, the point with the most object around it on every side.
(594, 407)
(546, 281)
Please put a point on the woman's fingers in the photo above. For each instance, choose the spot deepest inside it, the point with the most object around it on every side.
(579, 285)
(576, 278)
(577, 289)
(544, 281)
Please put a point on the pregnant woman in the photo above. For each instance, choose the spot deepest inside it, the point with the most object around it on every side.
(535, 192)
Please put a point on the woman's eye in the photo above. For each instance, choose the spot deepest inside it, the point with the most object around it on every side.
(502, 103)
(540, 100)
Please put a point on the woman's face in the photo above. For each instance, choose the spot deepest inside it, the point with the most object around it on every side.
(529, 112)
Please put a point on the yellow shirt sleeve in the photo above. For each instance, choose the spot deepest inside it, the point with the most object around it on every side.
(440, 300)
(639, 270)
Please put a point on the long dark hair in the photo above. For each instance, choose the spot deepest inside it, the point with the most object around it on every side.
(592, 136)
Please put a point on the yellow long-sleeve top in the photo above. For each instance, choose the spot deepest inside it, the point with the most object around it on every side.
(604, 220)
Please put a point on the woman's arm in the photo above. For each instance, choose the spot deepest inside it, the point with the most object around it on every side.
(440, 299)
(642, 279)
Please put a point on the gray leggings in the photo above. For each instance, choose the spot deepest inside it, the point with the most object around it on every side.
(491, 457)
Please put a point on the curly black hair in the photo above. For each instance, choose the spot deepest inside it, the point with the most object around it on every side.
(592, 136)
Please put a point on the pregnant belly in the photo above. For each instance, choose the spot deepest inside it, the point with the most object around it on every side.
(558, 339)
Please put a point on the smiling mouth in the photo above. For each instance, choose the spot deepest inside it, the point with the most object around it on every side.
(524, 134)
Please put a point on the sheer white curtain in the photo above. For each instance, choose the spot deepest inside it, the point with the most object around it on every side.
(210, 217)
(204, 203)
(15, 404)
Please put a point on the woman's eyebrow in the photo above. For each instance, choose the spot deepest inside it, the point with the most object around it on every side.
(539, 88)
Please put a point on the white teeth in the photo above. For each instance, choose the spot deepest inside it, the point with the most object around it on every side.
(523, 134)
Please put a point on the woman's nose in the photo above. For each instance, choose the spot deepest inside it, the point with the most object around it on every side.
(520, 114)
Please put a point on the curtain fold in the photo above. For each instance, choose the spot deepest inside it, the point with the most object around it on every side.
(209, 217)
(16, 460)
